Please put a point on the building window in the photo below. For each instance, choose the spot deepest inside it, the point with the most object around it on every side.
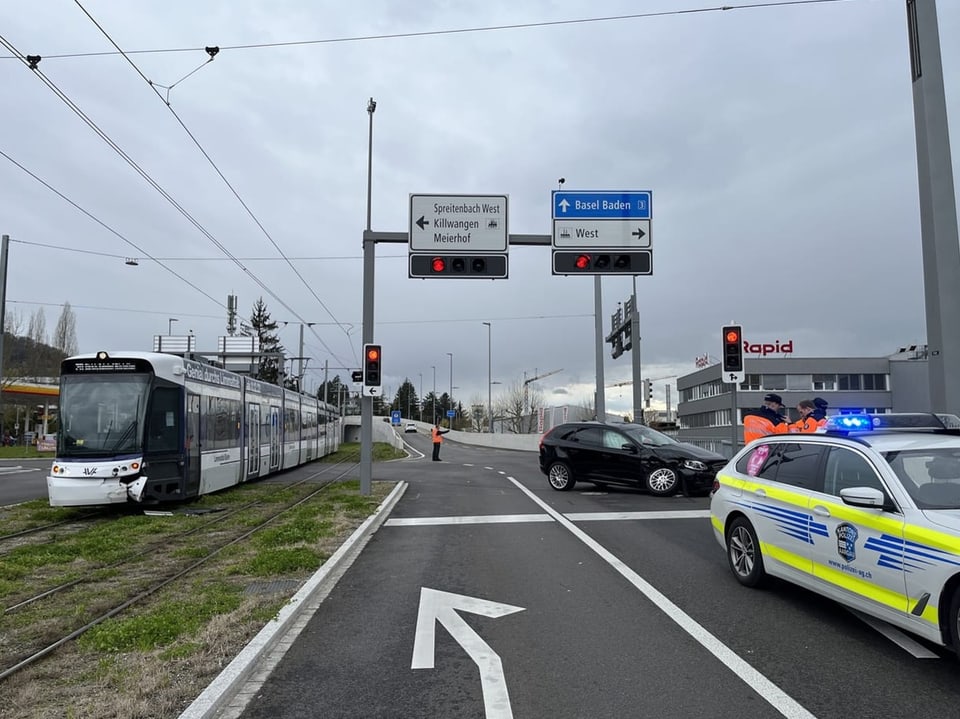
(848, 382)
(801, 382)
(751, 382)
(774, 381)
(875, 381)
(825, 382)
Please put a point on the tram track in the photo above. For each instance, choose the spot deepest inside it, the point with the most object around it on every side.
(163, 550)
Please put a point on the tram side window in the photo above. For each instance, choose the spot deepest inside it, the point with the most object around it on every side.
(222, 425)
(163, 426)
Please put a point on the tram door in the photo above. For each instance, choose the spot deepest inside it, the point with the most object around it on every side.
(274, 438)
(191, 443)
(253, 439)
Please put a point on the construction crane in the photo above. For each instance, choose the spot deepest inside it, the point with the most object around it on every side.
(526, 384)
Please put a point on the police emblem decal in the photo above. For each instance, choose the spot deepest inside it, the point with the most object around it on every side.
(847, 542)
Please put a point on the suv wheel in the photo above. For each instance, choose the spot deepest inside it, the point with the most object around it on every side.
(662, 481)
(743, 553)
(560, 477)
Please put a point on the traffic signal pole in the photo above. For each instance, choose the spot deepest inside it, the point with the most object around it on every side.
(369, 255)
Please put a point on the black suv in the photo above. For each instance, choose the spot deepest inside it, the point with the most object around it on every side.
(626, 454)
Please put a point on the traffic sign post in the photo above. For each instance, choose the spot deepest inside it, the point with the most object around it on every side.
(395, 417)
(602, 233)
(458, 236)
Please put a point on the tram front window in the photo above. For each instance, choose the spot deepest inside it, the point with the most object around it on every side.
(102, 415)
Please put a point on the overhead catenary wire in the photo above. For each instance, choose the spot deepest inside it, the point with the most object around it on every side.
(453, 31)
(143, 173)
(223, 177)
(109, 229)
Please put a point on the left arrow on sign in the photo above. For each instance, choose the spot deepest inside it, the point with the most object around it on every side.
(437, 606)
(422, 221)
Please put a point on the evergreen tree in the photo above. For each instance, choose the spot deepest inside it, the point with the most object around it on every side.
(330, 391)
(406, 400)
(271, 362)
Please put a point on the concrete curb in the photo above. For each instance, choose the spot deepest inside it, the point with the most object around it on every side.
(228, 683)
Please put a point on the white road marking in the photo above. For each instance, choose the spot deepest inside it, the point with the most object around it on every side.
(480, 519)
(18, 470)
(770, 692)
(437, 606)
(896, 636)
(678, 514)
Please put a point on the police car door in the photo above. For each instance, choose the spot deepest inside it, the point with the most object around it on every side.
(778, 496)
(852, 560)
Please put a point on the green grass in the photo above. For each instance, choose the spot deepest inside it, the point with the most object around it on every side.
(24, 452)
(350, 451)
(165, 622)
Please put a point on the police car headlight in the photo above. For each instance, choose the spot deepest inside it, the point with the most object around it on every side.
(695, 465)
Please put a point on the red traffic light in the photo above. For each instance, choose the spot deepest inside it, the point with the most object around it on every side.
(373, 354)
(438, 264)
(732, 336)
(582, 262)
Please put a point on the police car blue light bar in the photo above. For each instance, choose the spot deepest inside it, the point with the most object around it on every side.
(849, 422)
(909, 421)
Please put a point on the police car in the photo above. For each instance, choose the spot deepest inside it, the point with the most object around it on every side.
(866, 513)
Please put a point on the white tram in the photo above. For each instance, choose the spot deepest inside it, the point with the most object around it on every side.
(147, 427)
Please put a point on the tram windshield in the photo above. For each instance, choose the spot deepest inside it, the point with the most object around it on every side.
(102, 415)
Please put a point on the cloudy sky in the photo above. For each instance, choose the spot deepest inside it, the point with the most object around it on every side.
(778, 142)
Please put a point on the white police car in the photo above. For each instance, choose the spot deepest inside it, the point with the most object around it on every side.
(866, 513)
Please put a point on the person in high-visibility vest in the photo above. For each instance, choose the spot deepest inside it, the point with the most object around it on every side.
(765, 419)
(820, 411)
(435, 434)
(807, 424)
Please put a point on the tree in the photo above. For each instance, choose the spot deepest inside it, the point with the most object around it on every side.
(270, 368)
(65, 333)
(406, 400)
(512, 407)
(431, 408)
(37, 330)
(330, 390)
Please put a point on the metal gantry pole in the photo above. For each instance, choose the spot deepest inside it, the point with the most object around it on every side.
(598, 321)
(489, 374)
(4, 247)
(634, 321)
(938, 208)
(450, 419)
(369, 255)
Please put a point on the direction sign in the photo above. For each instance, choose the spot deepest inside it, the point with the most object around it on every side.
(458, 223)
(395, 417)
(602, 233)
(451, 413)
(597, 204)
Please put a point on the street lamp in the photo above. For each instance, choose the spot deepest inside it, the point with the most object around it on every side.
(489, 375)
(451, 386)
(491, 414)
(421, 396)
(170, 325)
(434, 393)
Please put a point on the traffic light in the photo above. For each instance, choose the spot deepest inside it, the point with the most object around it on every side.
(371, 368)
(486, 266)
(647, 391)
(603, 262)
(732, 349)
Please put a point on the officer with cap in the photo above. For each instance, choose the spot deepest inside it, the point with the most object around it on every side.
(765, 419)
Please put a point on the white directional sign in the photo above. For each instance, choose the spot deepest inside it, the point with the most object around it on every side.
(601, 233)
(458, 223)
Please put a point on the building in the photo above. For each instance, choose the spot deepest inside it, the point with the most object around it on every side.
(898, 383)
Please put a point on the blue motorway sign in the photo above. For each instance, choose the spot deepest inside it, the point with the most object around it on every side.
(395, 416)
(601, 205)
(451, 413)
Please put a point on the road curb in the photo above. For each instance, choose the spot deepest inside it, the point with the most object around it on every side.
(285, 626)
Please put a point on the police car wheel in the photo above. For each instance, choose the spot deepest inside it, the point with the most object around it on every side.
(954, 619)
(560, 477)
(743, 553)
(662, 481)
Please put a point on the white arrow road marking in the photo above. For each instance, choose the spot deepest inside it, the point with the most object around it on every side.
(437, 606)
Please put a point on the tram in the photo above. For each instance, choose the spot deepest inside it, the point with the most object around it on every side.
(150, 428)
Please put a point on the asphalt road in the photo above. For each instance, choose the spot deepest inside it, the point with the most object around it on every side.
(573, 605)
(23, 479)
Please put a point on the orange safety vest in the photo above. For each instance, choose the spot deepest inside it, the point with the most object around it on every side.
(806, 425)
(437, 435)
(756, 426)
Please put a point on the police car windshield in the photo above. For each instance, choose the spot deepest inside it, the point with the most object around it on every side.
(931, 477)
(645, 435)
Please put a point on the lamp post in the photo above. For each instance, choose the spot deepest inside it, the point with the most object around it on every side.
(491, 414)
(434, 403)
(421, 396)
(170, 322)
(489, 375)
(451, 386)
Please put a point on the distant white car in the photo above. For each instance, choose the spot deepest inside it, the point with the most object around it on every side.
(411, 427)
